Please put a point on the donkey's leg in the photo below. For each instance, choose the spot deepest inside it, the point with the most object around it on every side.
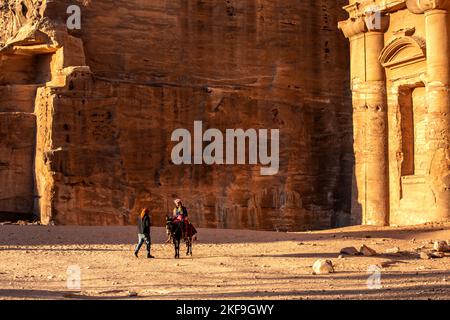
(175, 246)
(177, 249)
(190, 246)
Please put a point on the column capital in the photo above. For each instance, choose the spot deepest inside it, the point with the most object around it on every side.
(370, 22)
(422, 6)
(352, 26)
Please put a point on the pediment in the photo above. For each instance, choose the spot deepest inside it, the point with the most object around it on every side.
(403, 50)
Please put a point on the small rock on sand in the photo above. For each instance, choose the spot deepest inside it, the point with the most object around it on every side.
(366, 251)
(351, 251)
(323, 266)
(437, 254)
(441, 246)
(132, 294)
(424, 255)
(393, 250)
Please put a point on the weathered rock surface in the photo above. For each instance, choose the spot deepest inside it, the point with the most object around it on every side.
(105, 99)
(16, 160)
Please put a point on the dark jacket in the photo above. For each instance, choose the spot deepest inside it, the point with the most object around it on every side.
(143, 224)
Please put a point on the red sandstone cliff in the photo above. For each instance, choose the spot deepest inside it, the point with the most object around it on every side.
(86, 115)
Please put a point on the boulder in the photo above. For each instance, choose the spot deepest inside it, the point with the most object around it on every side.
(351, 251)
(366, 251)
(323, 266)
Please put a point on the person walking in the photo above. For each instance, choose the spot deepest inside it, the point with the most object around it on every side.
(144, 224)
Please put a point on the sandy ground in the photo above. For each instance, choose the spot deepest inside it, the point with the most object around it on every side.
(227, 264)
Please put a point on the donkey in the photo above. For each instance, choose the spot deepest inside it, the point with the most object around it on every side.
(175, 232)
(189, 236)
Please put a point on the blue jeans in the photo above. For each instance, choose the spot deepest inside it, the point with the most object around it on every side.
(141, 239)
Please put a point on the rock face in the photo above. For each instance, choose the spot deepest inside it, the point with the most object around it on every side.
(17, 149)
(87, 115)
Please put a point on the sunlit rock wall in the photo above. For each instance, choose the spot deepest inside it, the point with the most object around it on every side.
(111, 94)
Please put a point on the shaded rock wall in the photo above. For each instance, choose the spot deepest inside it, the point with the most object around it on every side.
(103, 133)
(16, 162)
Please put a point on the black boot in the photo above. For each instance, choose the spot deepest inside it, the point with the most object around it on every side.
(149, 256)
(136, 254)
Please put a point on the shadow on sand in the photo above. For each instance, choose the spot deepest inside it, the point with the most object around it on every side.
(11, 235)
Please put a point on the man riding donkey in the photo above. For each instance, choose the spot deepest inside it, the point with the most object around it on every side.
(180, 215)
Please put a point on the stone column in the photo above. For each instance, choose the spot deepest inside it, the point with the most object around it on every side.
(376, 153)
(354, 29)
(438, 131)
(438, 110)
(370, 120)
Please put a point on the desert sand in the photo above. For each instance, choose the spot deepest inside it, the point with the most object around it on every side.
(226, 264)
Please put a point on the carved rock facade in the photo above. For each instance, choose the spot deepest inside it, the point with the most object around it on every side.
(401, 112)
